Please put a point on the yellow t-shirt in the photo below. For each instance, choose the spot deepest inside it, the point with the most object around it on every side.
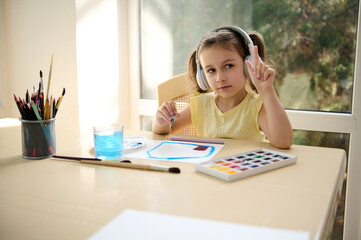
(240, 122)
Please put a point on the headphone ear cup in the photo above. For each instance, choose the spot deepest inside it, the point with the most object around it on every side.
(248, 58)
(245, 65)
(205, 82)
(201, 79)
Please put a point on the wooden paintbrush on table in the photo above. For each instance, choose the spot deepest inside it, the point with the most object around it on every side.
(123, 164)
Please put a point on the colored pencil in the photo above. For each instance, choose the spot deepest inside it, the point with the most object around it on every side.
(27, 96)
(46, 109)
(20, 110)
(36, 112)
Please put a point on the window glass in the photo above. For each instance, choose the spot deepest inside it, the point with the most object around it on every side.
(311, 44)
(322, 139)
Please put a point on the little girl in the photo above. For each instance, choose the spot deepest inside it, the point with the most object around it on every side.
(236, 97)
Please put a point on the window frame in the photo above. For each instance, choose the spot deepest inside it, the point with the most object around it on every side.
(300, 120)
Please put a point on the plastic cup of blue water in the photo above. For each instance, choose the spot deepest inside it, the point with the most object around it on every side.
(108, 142)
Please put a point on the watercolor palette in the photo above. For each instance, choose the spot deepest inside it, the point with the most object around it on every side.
(246, 164)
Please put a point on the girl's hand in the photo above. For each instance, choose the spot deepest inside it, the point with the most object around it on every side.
(262, 75)
(165, 112)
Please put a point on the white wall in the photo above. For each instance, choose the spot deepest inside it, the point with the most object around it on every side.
(4, 82)
(30, 31)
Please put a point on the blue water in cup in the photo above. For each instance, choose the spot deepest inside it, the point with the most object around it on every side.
(108, 144)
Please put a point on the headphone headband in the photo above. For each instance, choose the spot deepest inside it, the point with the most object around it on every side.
(201, 79)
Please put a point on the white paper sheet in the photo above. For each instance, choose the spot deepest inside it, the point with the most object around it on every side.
(135, 224)
(175, 151)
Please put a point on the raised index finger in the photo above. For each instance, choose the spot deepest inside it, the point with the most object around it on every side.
(255, 55)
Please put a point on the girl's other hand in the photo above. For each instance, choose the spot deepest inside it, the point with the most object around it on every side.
(262, 75)
(165, 112)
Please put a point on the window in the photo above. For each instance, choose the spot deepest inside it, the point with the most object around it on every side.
(312, 45)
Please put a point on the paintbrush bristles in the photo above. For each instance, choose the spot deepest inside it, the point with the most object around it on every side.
(49, 79)
(174, 170)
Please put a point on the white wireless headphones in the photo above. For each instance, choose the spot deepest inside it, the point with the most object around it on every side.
(201, 78)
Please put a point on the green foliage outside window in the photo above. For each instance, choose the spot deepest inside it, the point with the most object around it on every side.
(310, 37)
(313, 37)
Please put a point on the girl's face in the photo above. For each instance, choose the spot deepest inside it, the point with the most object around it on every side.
(224, 71)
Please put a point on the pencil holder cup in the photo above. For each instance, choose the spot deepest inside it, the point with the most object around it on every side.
(38, 138)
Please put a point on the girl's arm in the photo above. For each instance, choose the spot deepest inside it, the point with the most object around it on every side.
(272, 118)
(274, 122)
(161, 125)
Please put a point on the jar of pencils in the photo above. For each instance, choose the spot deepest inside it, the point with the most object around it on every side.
(38, 138)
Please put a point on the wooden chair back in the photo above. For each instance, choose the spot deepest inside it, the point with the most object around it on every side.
(175, 89)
